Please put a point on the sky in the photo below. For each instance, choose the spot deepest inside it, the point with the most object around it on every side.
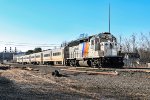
(27, 24)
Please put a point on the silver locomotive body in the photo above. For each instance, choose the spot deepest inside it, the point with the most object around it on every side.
(98, 50)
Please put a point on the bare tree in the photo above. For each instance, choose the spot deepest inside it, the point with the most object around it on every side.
(144, 47)
(137, 43)
(133, 42)
(64, 43)
(127, 45)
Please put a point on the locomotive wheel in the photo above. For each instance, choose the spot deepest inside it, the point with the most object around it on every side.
(77, 64)
(96, 63)
(67, 63)
(99, 65)
(73, 63)
(90, 63)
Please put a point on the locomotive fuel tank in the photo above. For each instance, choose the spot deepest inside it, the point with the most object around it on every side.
(83, 63)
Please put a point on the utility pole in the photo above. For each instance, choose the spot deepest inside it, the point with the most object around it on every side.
(4, 54)
(120, 44)
(15, 50)
(109, 17)
(10, 49)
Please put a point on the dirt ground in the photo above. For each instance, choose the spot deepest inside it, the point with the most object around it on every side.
(27, 82)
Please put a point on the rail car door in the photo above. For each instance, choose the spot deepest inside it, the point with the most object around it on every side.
(66, 52)
(91, 47)
(41, 58)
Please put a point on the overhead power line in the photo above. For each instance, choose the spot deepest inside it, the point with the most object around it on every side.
(25, 44)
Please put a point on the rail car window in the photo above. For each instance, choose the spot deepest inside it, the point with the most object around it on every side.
(38, 56)
(57, 54)
(46, 55)
(32, 56)
(97, 47)
(106, 44)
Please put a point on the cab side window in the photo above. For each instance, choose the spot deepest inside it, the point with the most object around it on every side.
(92, 42)
(96, 41)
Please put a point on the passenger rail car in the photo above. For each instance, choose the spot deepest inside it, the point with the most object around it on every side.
(26, 59)
(20, 59)
(39, 58)
(47, 57)
(53, 57)
(98, 50)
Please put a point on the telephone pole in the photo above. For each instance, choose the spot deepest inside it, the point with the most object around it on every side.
(109, 17)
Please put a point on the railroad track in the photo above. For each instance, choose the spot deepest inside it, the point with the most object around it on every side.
(50, 68)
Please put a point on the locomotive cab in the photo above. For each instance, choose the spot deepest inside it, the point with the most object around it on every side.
(108, 48)
(103, 51)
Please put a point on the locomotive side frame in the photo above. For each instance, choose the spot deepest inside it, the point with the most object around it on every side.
(103, 58)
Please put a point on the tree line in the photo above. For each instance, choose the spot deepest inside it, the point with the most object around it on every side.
(36, 50)
(137, 43)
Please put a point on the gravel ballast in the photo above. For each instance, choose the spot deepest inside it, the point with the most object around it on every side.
(40, 84)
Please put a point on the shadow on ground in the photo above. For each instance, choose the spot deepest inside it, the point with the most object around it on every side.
(10, 91)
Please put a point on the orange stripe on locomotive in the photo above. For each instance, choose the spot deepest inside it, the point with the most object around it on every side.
(86, 49)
